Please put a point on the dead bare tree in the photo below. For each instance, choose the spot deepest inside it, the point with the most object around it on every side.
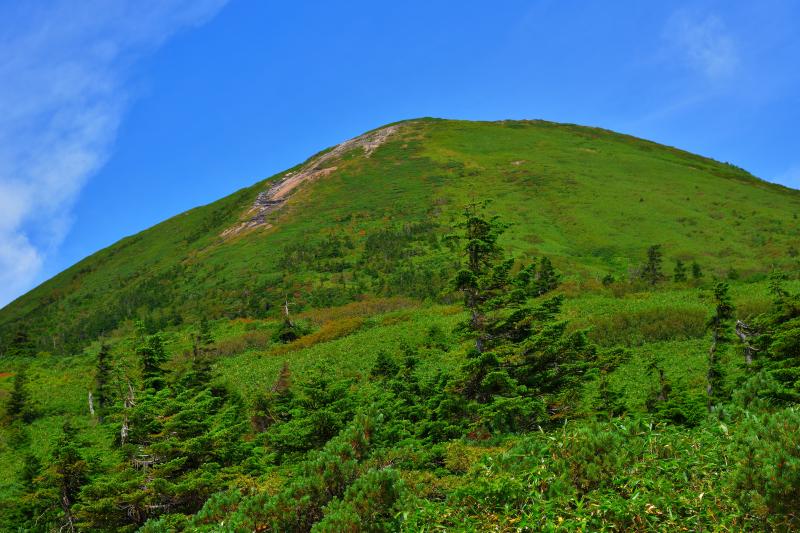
(745, 333)
(130, 401)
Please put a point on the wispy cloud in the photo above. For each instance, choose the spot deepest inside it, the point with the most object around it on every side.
(65, 65)
(703, 43)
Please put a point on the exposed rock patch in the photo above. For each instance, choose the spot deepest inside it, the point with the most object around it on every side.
(319, 167)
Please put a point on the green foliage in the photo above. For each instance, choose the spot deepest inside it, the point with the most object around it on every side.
(103, 388)
(21, 345)
(720, 327)
(778, 344)
(697, 271)
(523, 356)
(180, 443)
(385, 366)
(204, 335)
(371, 504)
(651, 270)
(766, 473)
(679, 274)
(498, 415)
(18, 406)
(150, 351)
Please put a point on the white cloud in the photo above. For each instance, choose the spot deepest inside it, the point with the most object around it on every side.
(704, 44)
(64, 66)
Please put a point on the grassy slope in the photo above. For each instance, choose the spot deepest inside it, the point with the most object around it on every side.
(591, 199)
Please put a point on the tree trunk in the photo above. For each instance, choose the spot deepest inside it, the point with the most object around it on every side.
(744, 332)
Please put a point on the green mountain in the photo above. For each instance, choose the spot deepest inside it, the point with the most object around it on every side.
(591, 199)
(437, 325)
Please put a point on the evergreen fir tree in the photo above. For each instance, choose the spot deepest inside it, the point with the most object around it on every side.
(274, 406)
(697, 271)
(651, 271)
(31, 470)
(480, 280)
(151, 354)
(385, 366)
(21, 344)
(679, 274)
(204, 335)
(19, 403)
(719, 326)
(547, 278)
(102, 381)
(522, 355)
(777, 341)
(67, 473)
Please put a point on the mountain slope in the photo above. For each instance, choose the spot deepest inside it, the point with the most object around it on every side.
(591, 199)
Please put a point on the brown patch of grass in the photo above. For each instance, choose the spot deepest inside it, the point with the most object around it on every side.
(329, 331)
(650, 325)
(362, 308)
(255, 339)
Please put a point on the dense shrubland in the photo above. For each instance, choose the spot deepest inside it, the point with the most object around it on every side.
(620, 352)
(496, 414)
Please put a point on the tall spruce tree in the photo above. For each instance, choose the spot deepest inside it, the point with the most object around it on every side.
(482, 278)
(679, 274)
(67, 473)
(719, 325)
(151, 353)
(103, 389)
(651, 270)
(777, 342)
(547, 278)
(21, 344)
(19, 403)
(523, 356)
(204, 335)
(697, 270)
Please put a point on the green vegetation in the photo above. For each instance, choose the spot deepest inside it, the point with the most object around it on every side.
(391, 353)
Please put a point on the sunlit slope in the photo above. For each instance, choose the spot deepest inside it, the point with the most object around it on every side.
(591, 199)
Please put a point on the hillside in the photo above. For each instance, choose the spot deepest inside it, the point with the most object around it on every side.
(591, 199)
(360, 344)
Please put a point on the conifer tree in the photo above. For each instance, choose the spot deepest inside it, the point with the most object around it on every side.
(719, 325)
(67, 473)
(200, 372)
(19, 403)
(476, 280)
(204, 335)
(21, 344)
(102, 380)
(547, 278)
(697, 271)
(523, 355)
(150, 351)
(274, 406)
(679, 274)
(777, 341)
(651, 271)
(289, 330)
(385, 366)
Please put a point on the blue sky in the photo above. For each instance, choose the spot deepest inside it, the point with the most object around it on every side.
(116, 114)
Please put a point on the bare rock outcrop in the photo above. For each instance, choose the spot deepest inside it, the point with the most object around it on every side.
(319, 167)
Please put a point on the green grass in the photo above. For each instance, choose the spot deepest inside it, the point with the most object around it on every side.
(590, 199)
